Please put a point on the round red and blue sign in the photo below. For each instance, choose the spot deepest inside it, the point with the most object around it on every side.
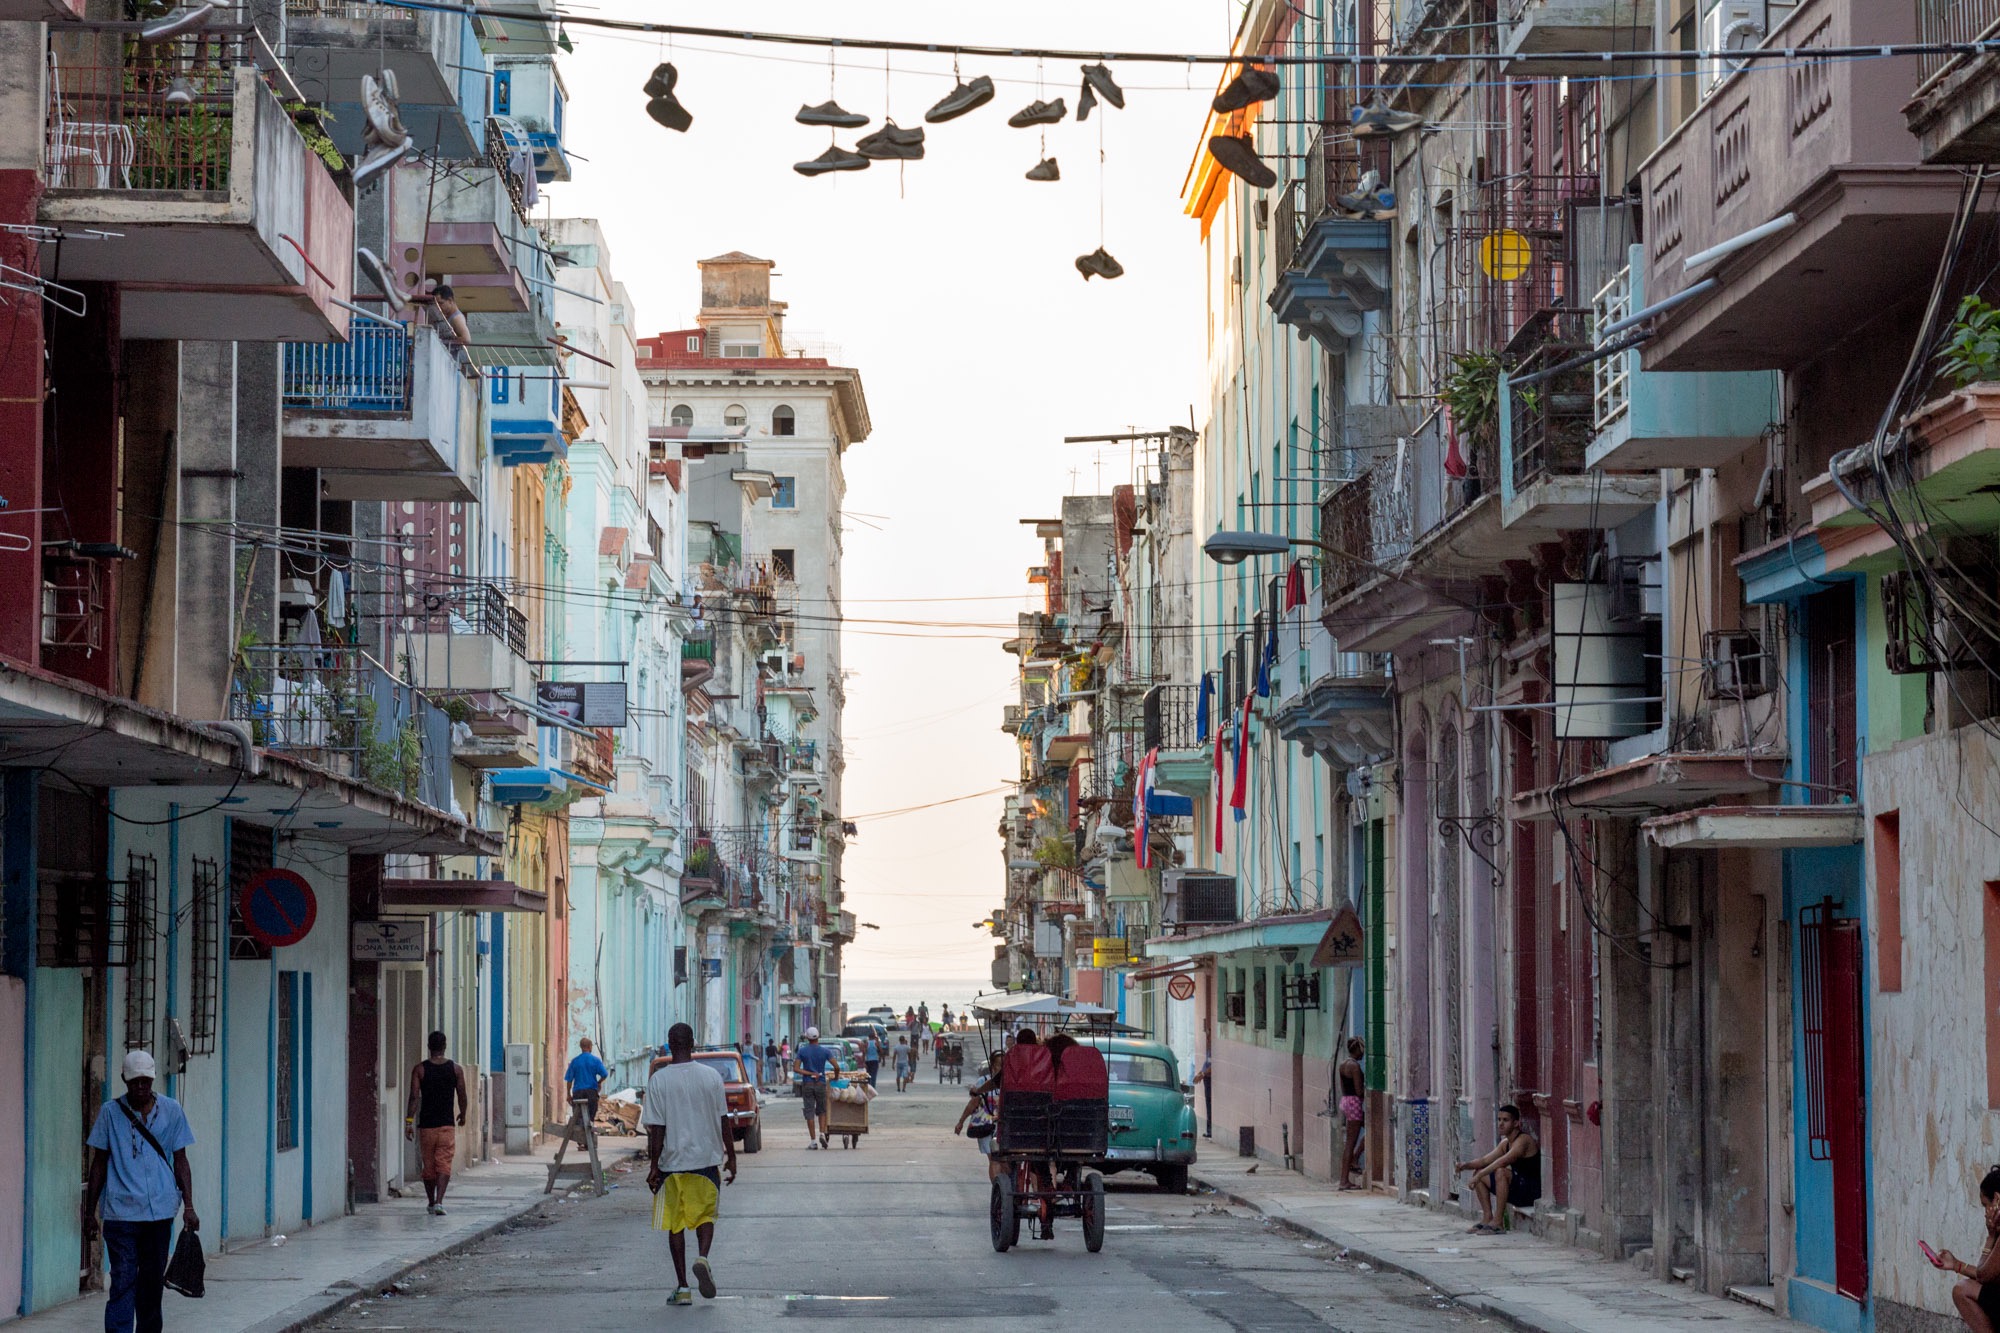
(278, 908)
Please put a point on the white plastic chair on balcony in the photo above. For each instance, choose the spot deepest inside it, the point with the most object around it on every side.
(91, 148)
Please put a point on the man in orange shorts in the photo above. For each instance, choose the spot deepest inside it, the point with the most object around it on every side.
(434, 1084)
(686, 1117)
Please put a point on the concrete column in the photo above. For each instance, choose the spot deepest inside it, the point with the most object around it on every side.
(364, 1046)
(212, 568)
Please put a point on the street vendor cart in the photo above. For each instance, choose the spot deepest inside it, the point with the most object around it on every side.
(1054, 1123)
(847, 1110)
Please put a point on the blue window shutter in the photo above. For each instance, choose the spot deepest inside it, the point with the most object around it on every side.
(503, 92)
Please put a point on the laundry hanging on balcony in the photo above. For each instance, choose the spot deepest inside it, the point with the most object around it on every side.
(1295, 586)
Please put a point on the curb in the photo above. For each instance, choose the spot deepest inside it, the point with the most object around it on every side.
(1507, 1312)
(338, 1296)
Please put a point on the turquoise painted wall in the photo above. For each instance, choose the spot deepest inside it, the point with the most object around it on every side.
(55, 1149)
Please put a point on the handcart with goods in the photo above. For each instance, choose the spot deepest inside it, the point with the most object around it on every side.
(847, 1109)
(1055, 1120)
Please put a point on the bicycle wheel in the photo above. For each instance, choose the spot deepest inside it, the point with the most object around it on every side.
(1093, 1212)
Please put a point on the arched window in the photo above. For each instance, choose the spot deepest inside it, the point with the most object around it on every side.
(783, 421)
(734, 415)
(682, 415)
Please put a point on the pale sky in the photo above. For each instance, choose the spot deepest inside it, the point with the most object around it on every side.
(949, 285)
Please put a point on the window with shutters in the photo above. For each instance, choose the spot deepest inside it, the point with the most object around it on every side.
(204, 955)
(250, 855)
(785, 493)
(287, 1109)
(784, 563)
(73, 920)
(682, 414)
(734, 415)
(140, 920)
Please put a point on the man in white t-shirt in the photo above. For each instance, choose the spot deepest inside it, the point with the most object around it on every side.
(686, 1118)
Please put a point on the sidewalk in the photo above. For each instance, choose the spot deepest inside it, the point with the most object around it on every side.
(259, 1287)
(1515, 1278)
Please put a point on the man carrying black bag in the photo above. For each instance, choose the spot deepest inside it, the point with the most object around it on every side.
(139, 1178)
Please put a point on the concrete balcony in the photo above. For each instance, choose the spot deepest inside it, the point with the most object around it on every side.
(520, 28)
(1332, 704)
(1545, 429)
(467, 640)
(1955, 113)
(1643, 419)
(1532, 31)
(40, 11)
(225, 225)
(330, 44)
(1171, 725)
(387, 415)
(1333, 269)
(1823, 141)
(531, 104)
(1947, 469)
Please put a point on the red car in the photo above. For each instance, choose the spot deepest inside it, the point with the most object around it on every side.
(745, 1117)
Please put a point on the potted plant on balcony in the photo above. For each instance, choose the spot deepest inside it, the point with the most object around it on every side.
(1470, 395)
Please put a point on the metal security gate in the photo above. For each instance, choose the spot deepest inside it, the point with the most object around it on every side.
(1836, 1096)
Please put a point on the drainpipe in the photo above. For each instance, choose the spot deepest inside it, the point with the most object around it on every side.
(251, 762)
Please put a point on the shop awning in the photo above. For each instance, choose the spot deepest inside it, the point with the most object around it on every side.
(1652, 784)
(408, 896)
(1757, 826)
(1302, 930)
(1027, 1004)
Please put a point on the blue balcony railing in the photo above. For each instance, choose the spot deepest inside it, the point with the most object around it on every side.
(370, 373)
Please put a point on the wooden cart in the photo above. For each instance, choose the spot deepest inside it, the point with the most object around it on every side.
(847, 1121)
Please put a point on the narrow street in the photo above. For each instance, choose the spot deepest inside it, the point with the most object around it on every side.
(896, 1229)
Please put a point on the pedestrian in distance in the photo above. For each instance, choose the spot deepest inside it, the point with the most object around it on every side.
(785, 1060)
(982, 1109)
(139, 1179)
(814, 1063)
(1511, 1174)
(691, 1155)
(583, 1078)
(434, 1083)
(906, 1065)
(871, 1056)
(1207, 1096)
(1352, 1114)
(1977, 1299)
(770, 1061)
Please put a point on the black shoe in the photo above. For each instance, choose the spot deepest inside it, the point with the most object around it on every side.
(1099, 78)
(965, 97)
(830, 112)
(1099, 264)
(669, 112)
(835, 158)
(892, 143)
(1039, 113)
(662, 82)
(1085, 103)
(1252, 85)
(1045, 170)
(1238, 157)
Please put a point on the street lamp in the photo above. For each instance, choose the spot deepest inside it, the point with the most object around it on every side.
(1233, 548)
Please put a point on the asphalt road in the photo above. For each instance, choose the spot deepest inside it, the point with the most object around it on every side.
(896, 1229)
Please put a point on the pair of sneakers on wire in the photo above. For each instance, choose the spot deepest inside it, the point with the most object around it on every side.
(1368, 200)
(662, 105)
(891, 143)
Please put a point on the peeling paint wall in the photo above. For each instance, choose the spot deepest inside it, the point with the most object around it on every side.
(1932, 1130)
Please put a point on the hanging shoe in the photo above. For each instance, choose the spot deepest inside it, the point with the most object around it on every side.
(892, 143)
(1239, 158)
(1045, 170)
(1099, 264)
(830, 112)
(965, 97)
(1085, 102)
(834, 158)
(1377, 119)
(669, 112)
(662, 81)
(1039, 113)
(1254, 84)
(1099, 78)
(1362, 197)
(180, 92)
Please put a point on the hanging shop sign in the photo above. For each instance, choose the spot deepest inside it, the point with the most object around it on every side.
(1180, 987)
(388, 942)
(588, 703)
(1341, 945)
(711, 969)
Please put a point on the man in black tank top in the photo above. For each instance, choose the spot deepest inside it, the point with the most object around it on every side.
(1509, 1176)
(435, 1084)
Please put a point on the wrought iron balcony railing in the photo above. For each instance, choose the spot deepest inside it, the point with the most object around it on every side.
(367, 375)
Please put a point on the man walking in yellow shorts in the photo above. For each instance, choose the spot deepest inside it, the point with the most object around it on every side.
(686, 1118)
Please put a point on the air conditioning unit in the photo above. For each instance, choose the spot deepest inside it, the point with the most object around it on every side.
(1233, 1007)
(773, 662)
(1203, 899)
(1734, 665)
(1737, 25)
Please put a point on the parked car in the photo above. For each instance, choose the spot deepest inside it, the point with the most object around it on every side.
(746, 1121)
(866, 1027)
(1152, 1112)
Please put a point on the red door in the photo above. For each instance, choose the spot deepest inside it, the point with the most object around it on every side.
(1837, 1109)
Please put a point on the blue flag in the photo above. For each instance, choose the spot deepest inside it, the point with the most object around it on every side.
(1201, 707)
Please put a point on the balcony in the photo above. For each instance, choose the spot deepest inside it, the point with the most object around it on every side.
(1956, 111)
(525, 28)
(1333, 269)
(465, 639)
(1010, 719)
(1545, 430)
(1823, 141)
(383, 415)
(1330, 703)
(224, 223)
(336, 707)
(330, 44)
(1531, 31)
(1947, 469)
(530, 102)
(40, 11)
(1642, 419)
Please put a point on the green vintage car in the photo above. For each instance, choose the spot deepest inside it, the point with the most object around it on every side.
(1152, 1112)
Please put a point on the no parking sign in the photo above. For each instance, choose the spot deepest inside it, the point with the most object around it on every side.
(278, 908)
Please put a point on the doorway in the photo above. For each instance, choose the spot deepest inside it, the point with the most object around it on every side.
(402, 1047)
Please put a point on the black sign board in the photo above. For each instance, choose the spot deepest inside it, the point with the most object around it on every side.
(591, 703)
